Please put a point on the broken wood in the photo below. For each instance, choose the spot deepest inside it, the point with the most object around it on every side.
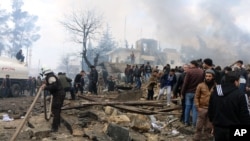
(131, 108)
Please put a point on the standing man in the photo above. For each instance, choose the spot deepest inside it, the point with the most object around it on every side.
(201, 100)
(208, 64)
(227, 107)
(151, 84)
(93, 78)
(66, 83)
(148, 71)
(126, 72)
(78, 85)
(54, 86)
(193, 77)
(6, 84)
(243, 75)
(167, 82)
(132, 56)
(179, 88)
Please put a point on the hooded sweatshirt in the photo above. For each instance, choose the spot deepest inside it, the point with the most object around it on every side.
(228, 107)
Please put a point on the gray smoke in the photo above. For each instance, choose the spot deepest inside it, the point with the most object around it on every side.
(207, 26)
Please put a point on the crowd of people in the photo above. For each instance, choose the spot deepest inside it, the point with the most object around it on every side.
(213, 99)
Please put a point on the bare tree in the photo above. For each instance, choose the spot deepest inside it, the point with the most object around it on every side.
(83, 25)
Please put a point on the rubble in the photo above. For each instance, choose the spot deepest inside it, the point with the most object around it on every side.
(102, 118)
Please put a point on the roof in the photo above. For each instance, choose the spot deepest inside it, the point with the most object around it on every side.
(148, 58)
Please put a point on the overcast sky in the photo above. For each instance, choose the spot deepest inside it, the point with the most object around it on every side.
(173, 23)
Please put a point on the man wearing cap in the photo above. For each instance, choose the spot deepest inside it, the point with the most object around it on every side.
(201, 100)
(193, 77)
(208, 64)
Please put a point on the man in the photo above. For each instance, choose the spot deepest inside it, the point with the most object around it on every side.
(137, 75)
(100, 82)
(224, 72)
(151, 84)
(93, 78)
(132, 56)
(208, 64)
(54, 86)
(20, 56)
(126, 72)
(66, 83)
(31, 83)
(201, 100)
(179, 88)
(78, 82)
(148, 71)
(227, 107)
(193, 77)
(6, 85)
(243, 75)
(166, 83)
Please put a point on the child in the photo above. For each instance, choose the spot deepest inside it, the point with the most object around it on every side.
(152, 82)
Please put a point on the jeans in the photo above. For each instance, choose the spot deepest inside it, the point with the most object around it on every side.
(147, 76)
(138, 82)
(161, 92)
(189, 102)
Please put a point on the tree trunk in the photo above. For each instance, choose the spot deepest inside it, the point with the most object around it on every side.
(85, 55)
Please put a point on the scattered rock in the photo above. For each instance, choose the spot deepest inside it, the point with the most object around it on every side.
(118, 133)
(141, 123)
(120, 119)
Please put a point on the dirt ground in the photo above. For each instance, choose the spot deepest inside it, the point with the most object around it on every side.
(17, 107)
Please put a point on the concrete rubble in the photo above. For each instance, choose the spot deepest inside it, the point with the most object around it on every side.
(100, 122)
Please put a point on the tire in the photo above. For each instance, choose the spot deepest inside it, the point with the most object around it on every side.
(15, 90)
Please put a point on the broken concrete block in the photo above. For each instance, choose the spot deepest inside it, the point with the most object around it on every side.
(77, 131)
(120, 119)
(141, 123)
(135, 136)
(39, 126)
(118, 133)
(152, 137)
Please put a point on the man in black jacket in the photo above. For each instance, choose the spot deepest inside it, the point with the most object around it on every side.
(79, 82)
(93, 78)
(227, 107)
(54, 86)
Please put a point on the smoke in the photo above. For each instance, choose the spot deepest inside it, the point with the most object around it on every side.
(210, 27)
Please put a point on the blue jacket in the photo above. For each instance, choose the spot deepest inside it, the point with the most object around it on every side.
(167, 80)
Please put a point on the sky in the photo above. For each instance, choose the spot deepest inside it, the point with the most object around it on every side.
(221, 24)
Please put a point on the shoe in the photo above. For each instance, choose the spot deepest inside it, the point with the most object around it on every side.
(186, 124)
(54, 130)
(168, 105)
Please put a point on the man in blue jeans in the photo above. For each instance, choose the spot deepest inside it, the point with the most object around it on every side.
(193, 77)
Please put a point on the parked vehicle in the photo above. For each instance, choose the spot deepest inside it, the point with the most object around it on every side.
(18, 72)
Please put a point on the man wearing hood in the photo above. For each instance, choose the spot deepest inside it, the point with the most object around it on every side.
(227, 107)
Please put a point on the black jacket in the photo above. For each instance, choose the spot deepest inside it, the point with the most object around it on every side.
(53, 85)
(228, 107)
